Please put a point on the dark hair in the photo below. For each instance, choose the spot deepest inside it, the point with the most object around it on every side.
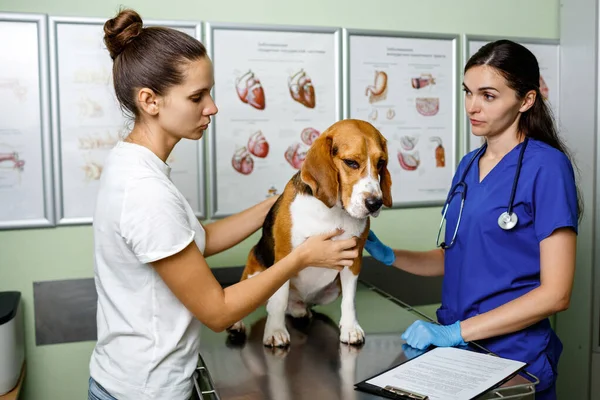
(146, 56)
(519, 66)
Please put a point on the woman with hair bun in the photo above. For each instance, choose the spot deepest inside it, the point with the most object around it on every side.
(155, 289)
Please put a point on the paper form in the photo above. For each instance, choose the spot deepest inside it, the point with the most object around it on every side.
(449, 373)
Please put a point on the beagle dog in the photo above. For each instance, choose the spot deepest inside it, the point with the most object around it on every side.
(343, 181)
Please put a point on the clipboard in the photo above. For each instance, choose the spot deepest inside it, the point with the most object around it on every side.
(391, 392)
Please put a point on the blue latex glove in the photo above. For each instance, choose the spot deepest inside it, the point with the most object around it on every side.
(421, 334)
(378, 250)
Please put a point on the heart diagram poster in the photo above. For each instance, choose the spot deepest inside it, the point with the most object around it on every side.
(276, 92)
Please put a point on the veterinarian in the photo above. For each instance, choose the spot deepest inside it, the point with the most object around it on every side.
(154, 286)
(508, 260)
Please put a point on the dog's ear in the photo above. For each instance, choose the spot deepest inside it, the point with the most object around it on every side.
(385, 179)
(319, 172)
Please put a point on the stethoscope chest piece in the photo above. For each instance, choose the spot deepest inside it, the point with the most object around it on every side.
(507, 221)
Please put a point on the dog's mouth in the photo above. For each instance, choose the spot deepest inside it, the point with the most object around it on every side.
(359, 211)
(375, 214)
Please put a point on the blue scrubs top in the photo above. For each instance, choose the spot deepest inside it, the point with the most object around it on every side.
(488, 266)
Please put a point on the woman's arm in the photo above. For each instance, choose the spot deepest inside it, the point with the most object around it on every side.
(424, 263)
(557, 271)
(223, 234)
(190, 279)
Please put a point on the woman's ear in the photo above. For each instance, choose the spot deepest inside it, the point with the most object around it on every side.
(319, 172)
(148, 101)
(528, 101)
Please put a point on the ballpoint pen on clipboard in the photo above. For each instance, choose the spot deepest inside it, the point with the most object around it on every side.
(405, 394)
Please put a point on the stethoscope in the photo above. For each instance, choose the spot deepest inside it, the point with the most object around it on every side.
(507, 220)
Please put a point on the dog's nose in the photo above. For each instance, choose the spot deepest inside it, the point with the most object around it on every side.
(373, 203)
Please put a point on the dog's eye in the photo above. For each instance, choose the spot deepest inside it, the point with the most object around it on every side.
(380, 164)
(352, 164)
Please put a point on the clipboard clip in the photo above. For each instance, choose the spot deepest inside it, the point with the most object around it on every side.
(405, 393)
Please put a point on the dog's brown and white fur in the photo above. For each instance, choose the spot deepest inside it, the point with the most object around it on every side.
(343, 181)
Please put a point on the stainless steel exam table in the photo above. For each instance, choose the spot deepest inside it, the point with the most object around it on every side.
(317, 366)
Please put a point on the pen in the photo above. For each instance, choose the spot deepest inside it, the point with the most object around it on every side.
(405, 393)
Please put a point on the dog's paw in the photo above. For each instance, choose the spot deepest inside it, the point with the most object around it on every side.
(236, 335)
(237, 329)
(276, 337)
(352, 334)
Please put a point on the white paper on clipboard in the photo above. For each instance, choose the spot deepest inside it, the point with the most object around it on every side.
(449, 373)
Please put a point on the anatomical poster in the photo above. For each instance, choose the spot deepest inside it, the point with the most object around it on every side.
(405, 87)
(25, 173)
(89, 122)
(277, 91)
(547, 55)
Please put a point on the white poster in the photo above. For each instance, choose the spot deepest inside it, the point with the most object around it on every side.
(24, 130)
(405, 87)
(548, 60)
(276, 92)
(90, 122)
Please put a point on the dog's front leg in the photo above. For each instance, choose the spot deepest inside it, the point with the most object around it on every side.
(276, 334)
(350, 331)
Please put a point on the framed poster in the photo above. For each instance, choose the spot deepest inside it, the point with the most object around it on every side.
(405, 85)
(546, 51)
(26, 199)
(88, 121)
(277, 89)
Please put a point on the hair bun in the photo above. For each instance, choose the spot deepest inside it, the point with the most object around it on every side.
(121, 30)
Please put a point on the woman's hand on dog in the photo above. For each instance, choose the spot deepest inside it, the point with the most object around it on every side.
(323, 251)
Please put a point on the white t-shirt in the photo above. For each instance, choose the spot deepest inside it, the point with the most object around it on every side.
(148, 342)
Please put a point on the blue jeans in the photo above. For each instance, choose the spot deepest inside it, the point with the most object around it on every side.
(97, 392)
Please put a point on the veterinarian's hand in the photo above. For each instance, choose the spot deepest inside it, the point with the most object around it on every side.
(322, 251)
(378, 250)
(421, 334)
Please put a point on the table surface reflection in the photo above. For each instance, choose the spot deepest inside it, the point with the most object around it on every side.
(316, 365)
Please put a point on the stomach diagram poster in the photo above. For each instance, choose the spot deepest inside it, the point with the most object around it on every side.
(276, 91)
(405, 87)
(89, 122)
(25, 166)
(547, 54)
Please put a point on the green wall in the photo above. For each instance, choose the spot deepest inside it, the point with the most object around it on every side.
(61, 371)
